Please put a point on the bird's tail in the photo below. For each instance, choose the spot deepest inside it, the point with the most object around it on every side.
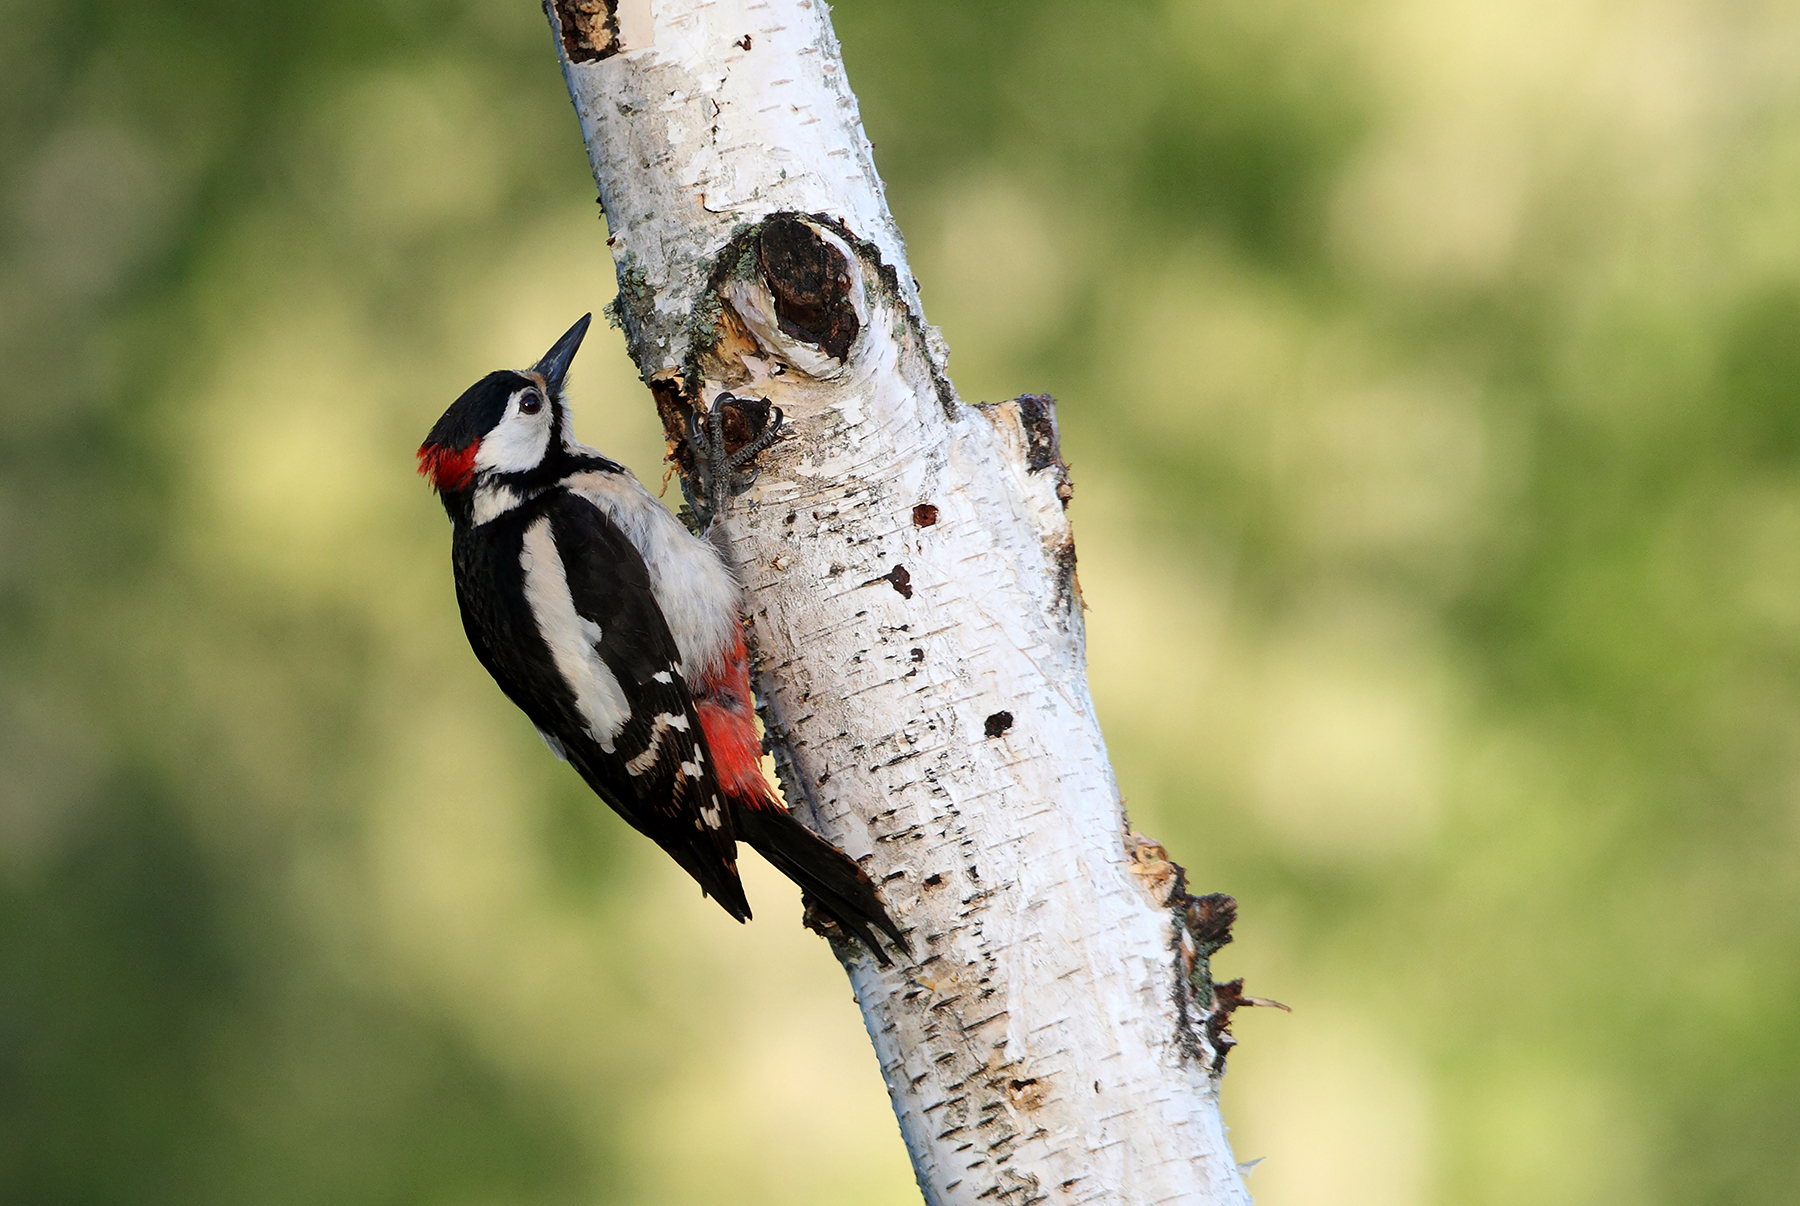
(829, 877)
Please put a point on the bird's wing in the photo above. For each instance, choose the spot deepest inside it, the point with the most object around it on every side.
(578, 641)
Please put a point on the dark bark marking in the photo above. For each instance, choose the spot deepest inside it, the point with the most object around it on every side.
(673, 406)
(742, 253)
(1038, 414)
(743, 43)
(810, 283)
(998, 723)
(1202, 924)
(1209, 919)
(898, 578)
(1068, 587)
(1027, 1093)
(1227, 998)
(589, 29)
(1043, 444)
(924, 515)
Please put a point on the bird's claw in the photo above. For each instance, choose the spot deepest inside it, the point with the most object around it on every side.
(718, 470)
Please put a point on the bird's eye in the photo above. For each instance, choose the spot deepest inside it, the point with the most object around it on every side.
(530, 402)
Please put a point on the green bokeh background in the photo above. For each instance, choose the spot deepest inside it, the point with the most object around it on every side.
(1430, 370)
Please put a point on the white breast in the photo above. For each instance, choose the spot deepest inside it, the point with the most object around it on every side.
(694, 589)
(572, 638)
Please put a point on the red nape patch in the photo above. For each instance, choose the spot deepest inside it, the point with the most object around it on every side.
(448, 468)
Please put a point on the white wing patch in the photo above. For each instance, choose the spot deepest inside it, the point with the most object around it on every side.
(598, 698)
(662, 724)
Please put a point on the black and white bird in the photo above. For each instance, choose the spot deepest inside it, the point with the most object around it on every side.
(617, 632)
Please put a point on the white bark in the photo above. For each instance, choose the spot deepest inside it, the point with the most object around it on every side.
(1050, 1039)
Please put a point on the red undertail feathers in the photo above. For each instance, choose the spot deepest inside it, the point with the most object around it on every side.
(728, 718)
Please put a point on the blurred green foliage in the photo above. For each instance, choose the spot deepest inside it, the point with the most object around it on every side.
(1431, 374)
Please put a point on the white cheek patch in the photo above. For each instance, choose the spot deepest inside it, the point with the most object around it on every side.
(518, 441)
(598, 698)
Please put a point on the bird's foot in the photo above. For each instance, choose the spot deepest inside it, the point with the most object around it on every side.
(724, 440)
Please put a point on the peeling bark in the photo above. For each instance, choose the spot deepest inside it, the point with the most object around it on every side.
(910, 571)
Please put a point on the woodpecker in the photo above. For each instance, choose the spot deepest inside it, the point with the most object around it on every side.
(616, 631)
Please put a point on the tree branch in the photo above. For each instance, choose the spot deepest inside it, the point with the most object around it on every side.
(911, 573)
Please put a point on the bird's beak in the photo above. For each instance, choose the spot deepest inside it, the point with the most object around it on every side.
(555, 364)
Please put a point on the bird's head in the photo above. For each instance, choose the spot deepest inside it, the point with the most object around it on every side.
(505, 425)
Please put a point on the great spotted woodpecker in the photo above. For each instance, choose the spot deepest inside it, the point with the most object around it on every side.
(617, 633)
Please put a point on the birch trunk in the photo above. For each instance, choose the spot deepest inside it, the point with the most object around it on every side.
(910, 571)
